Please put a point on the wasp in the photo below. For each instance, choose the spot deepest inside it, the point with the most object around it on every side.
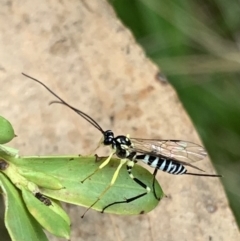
(171, 156)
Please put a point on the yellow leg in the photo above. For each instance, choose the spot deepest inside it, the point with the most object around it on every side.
(114, 178)
(101, 166)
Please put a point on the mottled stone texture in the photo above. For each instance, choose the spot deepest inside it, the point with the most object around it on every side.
(82, 51)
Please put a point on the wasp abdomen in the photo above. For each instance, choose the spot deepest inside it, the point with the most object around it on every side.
(164, 164)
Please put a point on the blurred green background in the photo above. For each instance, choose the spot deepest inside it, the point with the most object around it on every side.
(196, 45)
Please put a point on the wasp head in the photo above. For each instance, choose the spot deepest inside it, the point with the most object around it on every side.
(108, 138)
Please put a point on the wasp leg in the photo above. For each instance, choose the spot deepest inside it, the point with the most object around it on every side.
(153, 184)
(114, 178)
(128, 200)
(130, 165)
(100, 167)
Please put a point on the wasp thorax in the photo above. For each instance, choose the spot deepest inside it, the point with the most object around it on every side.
(108, 137)
(123, 141)
(122, 144)
(122, 153)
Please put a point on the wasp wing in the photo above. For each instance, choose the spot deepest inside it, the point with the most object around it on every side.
(181, 151)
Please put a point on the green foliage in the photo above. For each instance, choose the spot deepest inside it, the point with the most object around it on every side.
(71, 170)
(195, 44)
(48, 216)
(6, 131)
(59, 178)
(20, 223)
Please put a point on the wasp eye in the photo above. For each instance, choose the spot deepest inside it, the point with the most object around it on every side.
(108, 137)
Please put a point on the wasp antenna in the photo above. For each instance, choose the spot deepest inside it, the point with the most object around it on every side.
(79, 112)
(55, 102)
(61, 101)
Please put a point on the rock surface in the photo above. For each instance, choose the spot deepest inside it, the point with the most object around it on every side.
(84, 53)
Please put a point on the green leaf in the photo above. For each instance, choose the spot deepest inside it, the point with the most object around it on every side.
(60, 211)
(6, 131)
(70, 171)
(19, 222)
(41, 179)
(5, 150)
(47, 216)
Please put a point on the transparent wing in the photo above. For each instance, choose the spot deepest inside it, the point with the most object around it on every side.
(182, 151)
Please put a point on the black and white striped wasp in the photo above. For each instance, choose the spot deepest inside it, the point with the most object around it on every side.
(171, 156)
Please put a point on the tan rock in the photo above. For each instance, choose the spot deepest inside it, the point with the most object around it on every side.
(84, 53)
